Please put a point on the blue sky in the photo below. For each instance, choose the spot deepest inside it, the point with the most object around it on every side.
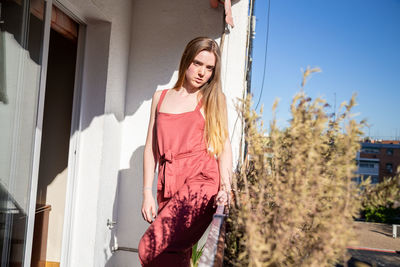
(356, 43)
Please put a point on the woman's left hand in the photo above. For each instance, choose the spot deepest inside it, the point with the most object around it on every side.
(223, 198)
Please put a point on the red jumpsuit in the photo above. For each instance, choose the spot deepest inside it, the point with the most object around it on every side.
(188, 181)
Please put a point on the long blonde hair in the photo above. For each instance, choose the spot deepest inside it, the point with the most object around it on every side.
(213, 99)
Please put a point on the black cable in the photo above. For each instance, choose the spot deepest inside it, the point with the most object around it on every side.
(265, 55)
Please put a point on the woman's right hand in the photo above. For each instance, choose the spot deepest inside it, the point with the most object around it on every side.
(148, 207)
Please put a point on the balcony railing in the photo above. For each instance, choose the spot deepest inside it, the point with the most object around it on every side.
(213, 253)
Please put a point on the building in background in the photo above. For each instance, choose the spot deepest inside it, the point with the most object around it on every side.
(76, 82)
(367, 167)
(378, 159)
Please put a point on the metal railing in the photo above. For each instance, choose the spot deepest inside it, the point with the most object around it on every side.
(117, 248)
(213, 253)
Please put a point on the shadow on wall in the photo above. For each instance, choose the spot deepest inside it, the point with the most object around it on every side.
(160, 32)
(111, 261)
(128, 202)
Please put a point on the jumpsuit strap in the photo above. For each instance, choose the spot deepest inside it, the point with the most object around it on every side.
(163, 93)
(198, 105)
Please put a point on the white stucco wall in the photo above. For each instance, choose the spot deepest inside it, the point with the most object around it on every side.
(88, 241)
(234, 72)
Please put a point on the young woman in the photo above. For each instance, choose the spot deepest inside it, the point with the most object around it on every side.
(188, 137)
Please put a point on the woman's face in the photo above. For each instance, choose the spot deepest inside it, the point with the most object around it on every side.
(200, 70)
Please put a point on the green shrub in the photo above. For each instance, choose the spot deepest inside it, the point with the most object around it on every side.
(381, 202)
(382, 214)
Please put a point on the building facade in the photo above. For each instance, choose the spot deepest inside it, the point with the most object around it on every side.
(367, 167)
(378, 159)
(76, 82)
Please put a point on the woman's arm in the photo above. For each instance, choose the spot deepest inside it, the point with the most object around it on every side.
(149, 164)
(225, 170)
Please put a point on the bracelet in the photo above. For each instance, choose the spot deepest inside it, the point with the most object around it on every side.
(226, 188)
(147, 188)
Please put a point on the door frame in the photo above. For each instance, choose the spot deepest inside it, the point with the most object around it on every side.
(73, 151)
(76, 119)
(38, 135)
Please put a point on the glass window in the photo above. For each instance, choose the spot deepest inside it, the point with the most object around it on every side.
(389, 167)
(374, 179)
(370, 150)
(367, 165)
(21, 38)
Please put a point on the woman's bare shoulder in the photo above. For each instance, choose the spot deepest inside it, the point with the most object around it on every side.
(157, 96)
(158, 93)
